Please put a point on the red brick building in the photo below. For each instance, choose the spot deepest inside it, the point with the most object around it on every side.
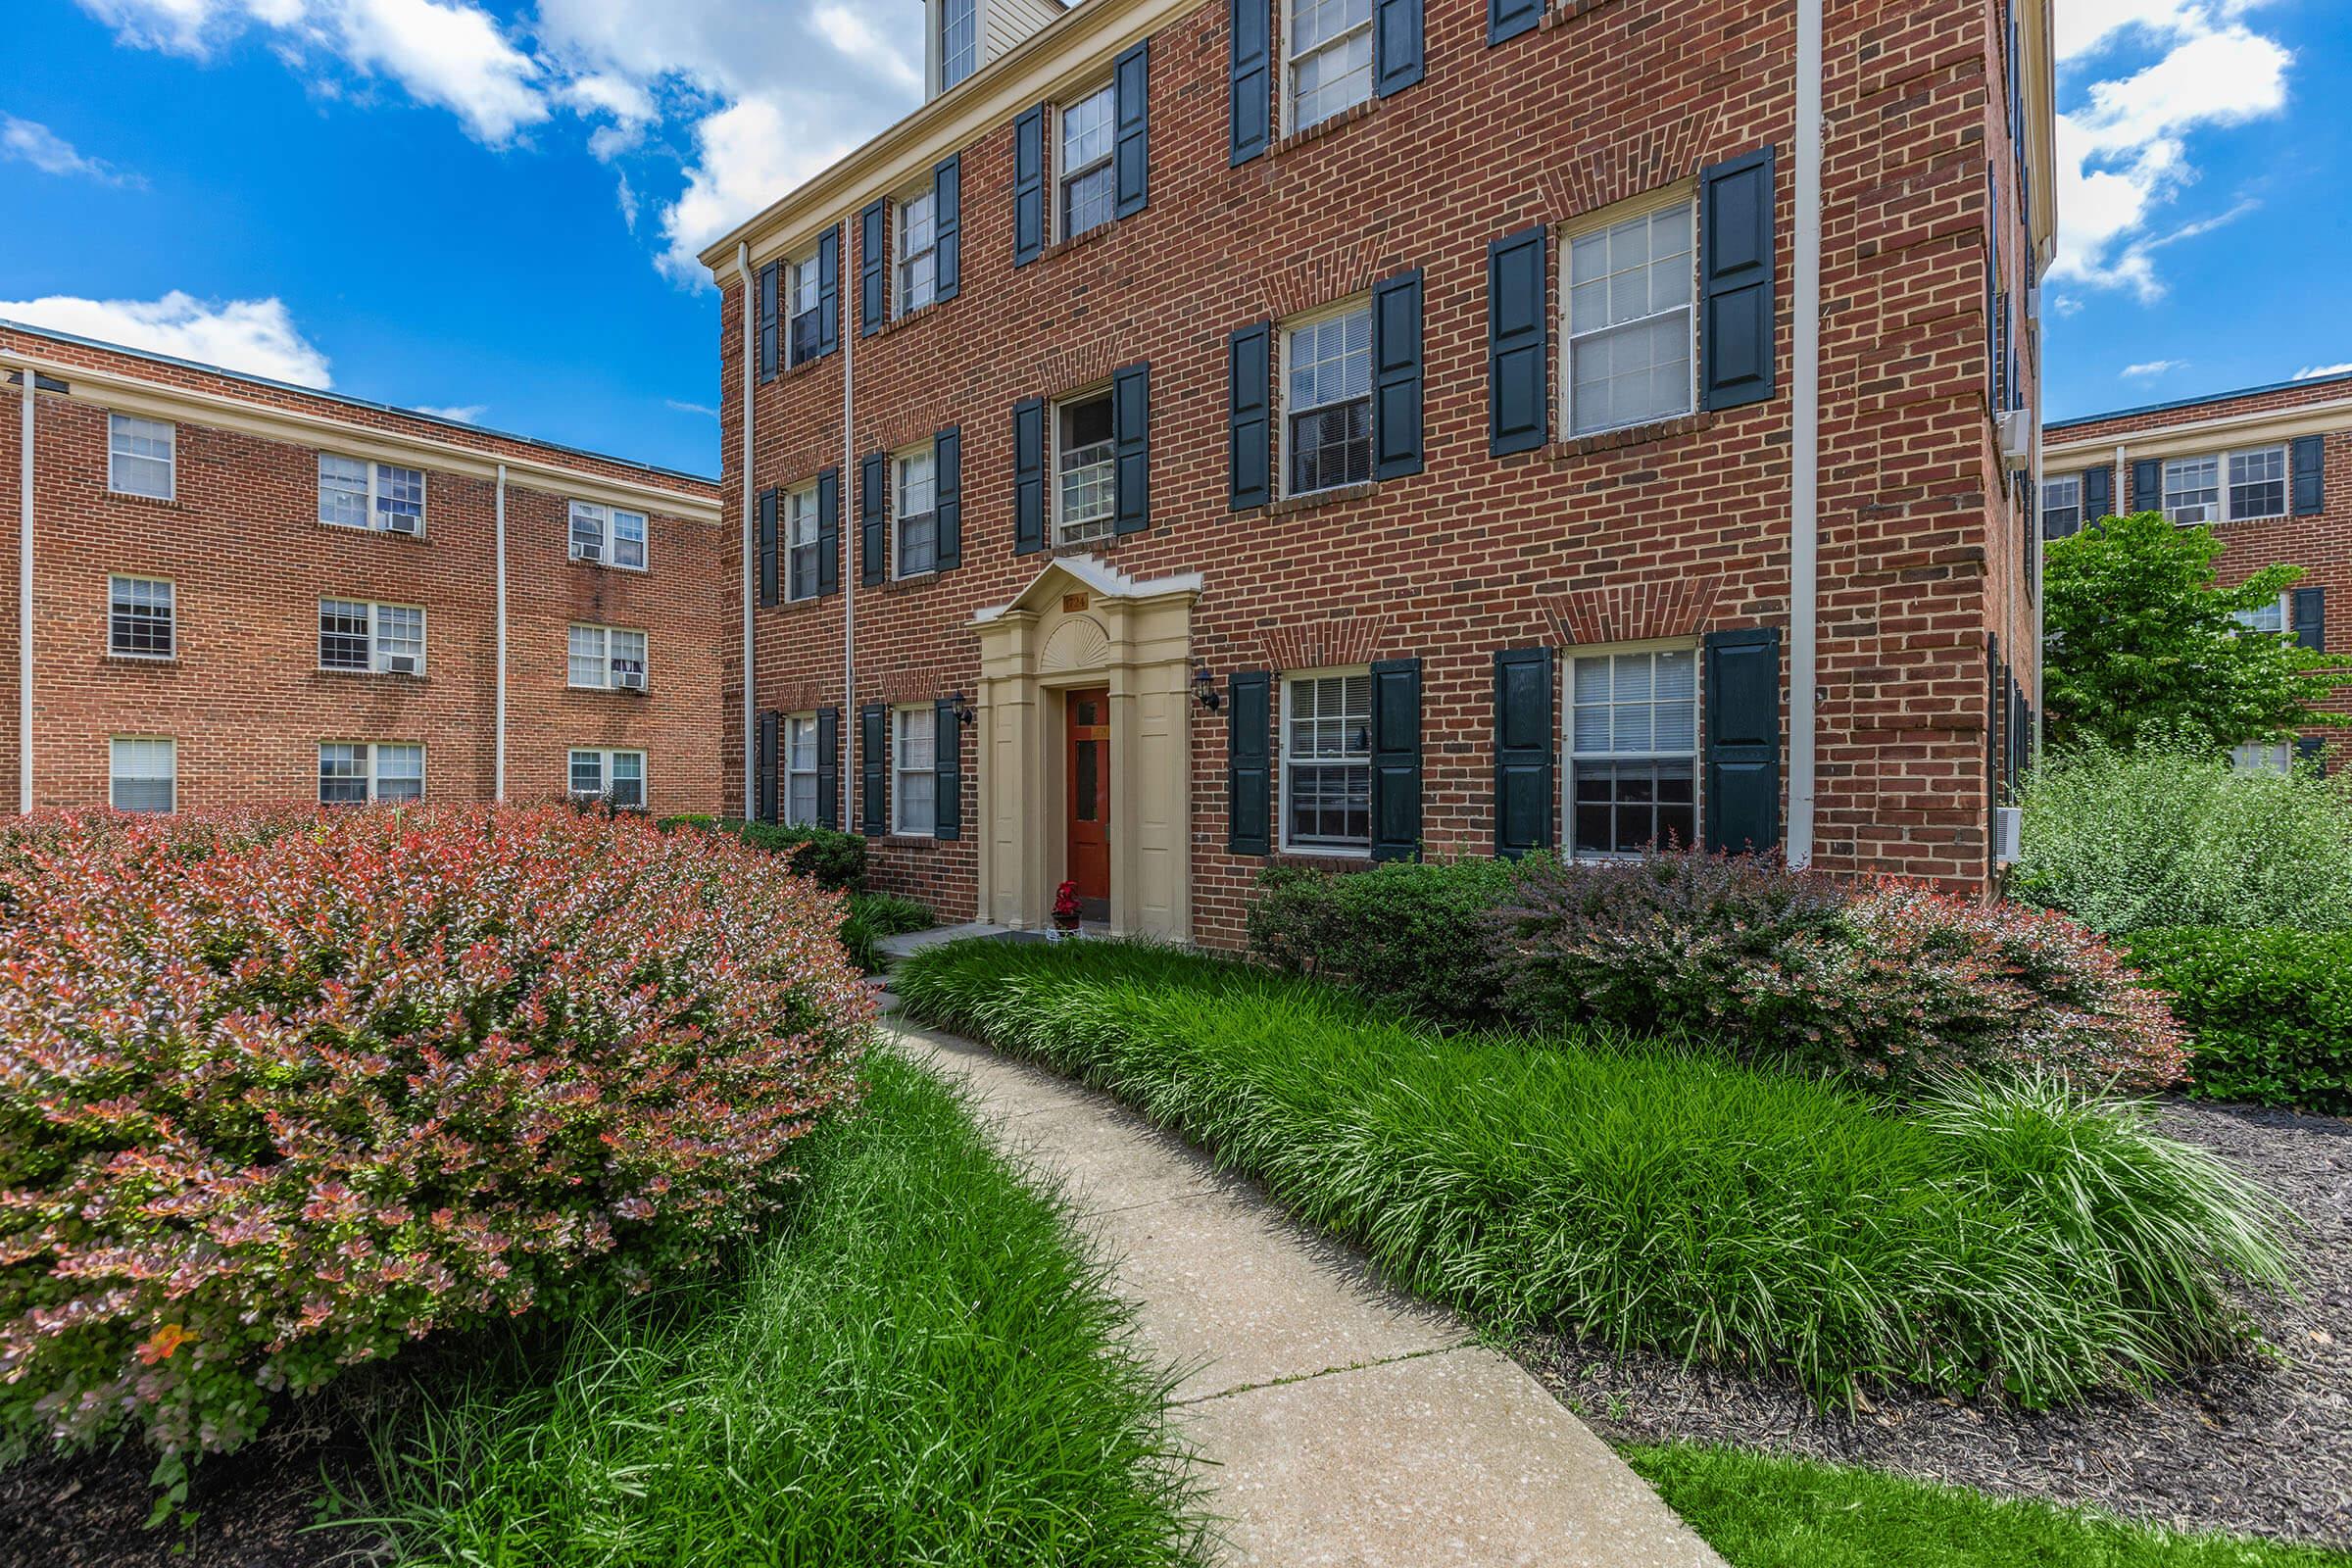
(1213, 435)
(2270, 469)
(243, 593)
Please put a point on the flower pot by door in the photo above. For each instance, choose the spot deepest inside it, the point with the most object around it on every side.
(1086, 722)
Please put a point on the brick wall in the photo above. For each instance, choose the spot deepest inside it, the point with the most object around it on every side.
(1675, 529)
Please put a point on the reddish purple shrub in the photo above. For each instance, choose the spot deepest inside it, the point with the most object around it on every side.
(281, 1094)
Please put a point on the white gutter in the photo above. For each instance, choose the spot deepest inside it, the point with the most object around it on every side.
(24, 604)
(1804, 478)
(751, 526)
(498, 746)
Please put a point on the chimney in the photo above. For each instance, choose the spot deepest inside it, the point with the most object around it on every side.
(962, 36)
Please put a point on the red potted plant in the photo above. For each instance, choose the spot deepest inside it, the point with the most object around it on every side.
(1065, 908)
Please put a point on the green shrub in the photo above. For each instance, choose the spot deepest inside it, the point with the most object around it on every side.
(921, 1367)
(2006, 1237)
(2169, 836)
(1416, 935)
(835, 859)
(2269, 1012)
(872, 916)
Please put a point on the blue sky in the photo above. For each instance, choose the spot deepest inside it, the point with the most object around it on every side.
(490, 207)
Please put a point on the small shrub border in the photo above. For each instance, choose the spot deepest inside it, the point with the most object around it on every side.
(871, 916)
(2269, 1012)
(835, 859)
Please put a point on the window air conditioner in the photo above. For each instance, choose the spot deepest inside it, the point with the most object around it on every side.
(632, 680)
(586, 552)
(399, 522)
(401, 665)
(2017, 434)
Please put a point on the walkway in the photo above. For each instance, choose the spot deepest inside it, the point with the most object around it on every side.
(1347, 1426)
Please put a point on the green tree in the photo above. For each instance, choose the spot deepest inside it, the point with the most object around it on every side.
(2143, 642)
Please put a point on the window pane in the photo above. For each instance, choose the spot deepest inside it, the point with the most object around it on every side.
(628, 778)
(1330, 58)
(628, 539)
(142, 774)
(959, 41)
(139, 618)
(139, 457)
(1089, 477)
(587, 656)
(918, 264)
(1629, 321)
(587, 531)
(587, 772)
(1327, 756)
(399, 499)
(342, 774)
(2257, 483)
(342, 491)
(2193, 490)
(1632, 745)
(343, 634)
(917, 486)
(628, 649)
(400, 772)
(399, 634)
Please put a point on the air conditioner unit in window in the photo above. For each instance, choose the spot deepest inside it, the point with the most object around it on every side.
(586, 552)
(630, 680)
(403, 665)
(400, 522)
(2017, 434)
(2188, 517)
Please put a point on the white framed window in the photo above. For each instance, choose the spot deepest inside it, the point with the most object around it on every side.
(1086, 489)
(143, 773)
(1327, 762)
(804, 329)
(139, 621)
(914, 513)
(140, 456)
(800, 769)
(354, 493)
(913, 772)
(2272, 619)
(356, 772)
(1327, 379)
(354, 634)
(959, 41)
(917, 253)
(607, 658)
(1089, 184)
(1630, 325)
(608, 535)
(2260, 759)
(801, 543)
(2062, 505)
(1633, 751)
(1330, 50)
(609, 775)
(2226, 487)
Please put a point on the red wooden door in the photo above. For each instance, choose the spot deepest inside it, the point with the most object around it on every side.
(1088, 792)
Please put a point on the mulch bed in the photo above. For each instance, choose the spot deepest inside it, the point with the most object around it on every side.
(2254, 1447)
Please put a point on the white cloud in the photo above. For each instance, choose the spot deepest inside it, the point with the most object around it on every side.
(851, 34)
(705, 409)
(2123, 153)
(30, 143)
(2151, 369)
(465, 414)
(747, 157)
(256, 336)
(2312, 372)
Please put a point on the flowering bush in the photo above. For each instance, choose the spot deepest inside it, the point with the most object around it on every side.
(279, 1095)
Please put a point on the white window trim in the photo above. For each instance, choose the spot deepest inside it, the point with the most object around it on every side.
(790, 500)
(375, 490)
(112, 777)
(940, 22)
(1282, 759)
(2221, 501)
(2074, 505)
(1056, 221)
(1053, 452)
(1684, 194)
(900, 255)
(909, 714)
(1565, 718)
(788, 291)
(604, 756)
(608, 536)
(605, 658)
(789, 772)
(171, 459)
(899, 518)
(376, 772)
(112, 652)
(1291, 125)
(378, 662)
(1284, 331)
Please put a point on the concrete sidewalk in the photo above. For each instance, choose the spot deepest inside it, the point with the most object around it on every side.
(1344, 1424)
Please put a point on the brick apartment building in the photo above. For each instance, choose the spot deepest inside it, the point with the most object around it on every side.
(2268, 468)
(1213, 435)
(242, 593)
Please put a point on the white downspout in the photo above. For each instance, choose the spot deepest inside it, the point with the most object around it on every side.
(498, 744)
(751, 526)
(849, 579)
(1804, 482)
(24, 605)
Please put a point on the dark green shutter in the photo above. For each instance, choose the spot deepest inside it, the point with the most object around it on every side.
(2310, 751)
(871, 262)
(828, 292)
(947, 465)
(1397, 51)
(1250, 391)
(1738, 360)
(1396, 759)
(828, 767)
(771, 279)
(767, 767)
(2147, 485)
(769, 574)
(1028, 476)
(1518, 363)
(1131, 95)
(1744, 741)
(873, 768)
(1249, 101)
(1131, 442)
(829, 531)
(2098, 495)
(1397, 376)
(874, 517)
(1029, 186)
(2311, 618)
(947, 208)
(1526, 791)
(2311, 475)
(1249, 763)
(1508, 18)
(947, 771)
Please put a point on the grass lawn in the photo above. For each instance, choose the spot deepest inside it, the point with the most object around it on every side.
(1762, 1511)
(921, 1369)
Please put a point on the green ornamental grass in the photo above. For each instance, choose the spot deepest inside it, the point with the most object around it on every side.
(2000, 1237)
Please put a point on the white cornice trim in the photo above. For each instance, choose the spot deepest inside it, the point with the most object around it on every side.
(1097, 576)
(2198, 435)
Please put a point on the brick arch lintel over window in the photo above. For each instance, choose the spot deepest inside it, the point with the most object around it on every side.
(1610, 173)
(1324, 645)
(1633, 613)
